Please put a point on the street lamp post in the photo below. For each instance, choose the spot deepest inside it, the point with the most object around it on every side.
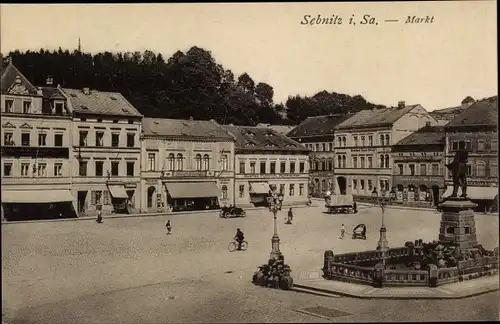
(382, 201)
(275, 201)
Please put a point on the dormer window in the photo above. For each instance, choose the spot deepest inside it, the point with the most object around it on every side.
(59, 108)
(249, 134)
(9, 104)
(26, 107)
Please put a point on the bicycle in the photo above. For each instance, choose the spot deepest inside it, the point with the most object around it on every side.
(233, 246)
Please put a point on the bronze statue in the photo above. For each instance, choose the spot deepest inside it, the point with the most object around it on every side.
(458, 168)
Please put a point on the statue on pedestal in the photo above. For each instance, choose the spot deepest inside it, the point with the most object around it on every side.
(458, 168)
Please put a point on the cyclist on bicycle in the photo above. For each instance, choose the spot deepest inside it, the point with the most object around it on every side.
(239, 237)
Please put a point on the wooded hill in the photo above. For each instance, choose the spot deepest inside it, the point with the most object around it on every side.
(191, 84)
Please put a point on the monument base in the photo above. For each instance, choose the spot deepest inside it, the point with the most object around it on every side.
(457, 223)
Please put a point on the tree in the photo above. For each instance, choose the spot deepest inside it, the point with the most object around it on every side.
(246, 82)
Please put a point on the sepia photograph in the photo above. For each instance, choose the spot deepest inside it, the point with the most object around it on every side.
(327, 162)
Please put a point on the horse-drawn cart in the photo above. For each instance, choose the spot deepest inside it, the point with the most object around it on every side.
(340, 204)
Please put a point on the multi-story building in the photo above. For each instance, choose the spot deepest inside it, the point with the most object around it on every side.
(186, 165)
(317, 134)
(445, 115)
(106, 151)
(477, 129)
(36, 132)
(363, 146)
(418, 173)
(265, 157)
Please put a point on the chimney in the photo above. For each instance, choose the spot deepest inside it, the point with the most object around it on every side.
(49, 80)
(401, 104)
(86, 91)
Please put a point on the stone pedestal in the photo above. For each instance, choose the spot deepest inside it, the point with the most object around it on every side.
(457, 223)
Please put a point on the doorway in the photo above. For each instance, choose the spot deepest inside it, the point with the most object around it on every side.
(82, 198)
(435, 195)
(342, 182)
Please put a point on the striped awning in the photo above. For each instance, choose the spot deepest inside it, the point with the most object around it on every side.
(118, 191)
(259, 187)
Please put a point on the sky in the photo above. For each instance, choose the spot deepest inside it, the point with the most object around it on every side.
(435, 64)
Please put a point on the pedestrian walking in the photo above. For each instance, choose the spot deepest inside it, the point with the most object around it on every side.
(355, 207)
(169, 227)
(290, 216)
(342, 232)
(99, 216)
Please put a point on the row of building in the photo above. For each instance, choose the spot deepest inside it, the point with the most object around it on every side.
(69, 152)
(403, 149)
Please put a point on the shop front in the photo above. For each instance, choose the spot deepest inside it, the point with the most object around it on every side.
(20, 205)
(190, 196)
(258, 193)
(119, 198)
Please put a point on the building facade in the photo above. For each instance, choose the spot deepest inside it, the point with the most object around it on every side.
(106, 152)
(36, 131)
(263, 158)
(317, 134)
(186, 165)
(363, 147)
(418, 172)
(477, 129)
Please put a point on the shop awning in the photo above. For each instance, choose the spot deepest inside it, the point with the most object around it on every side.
(118, 191)
(479, 193)
(36, 196)
(259, 187)
(192, 189)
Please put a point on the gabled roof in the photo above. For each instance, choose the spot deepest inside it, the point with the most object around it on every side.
(428, 135)
(482, 112)
(100, 103)
(318, 125)
(375, 117)
(199, 129)
(52, 93)
(8, 79)
(260, 138)
(282, 129)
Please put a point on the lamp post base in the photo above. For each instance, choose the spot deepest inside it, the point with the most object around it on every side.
(275, 251)
(383, 244)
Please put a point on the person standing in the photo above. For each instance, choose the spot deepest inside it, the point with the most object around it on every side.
(290, 216)
(342, 232)
(99, 216)
(169, 227)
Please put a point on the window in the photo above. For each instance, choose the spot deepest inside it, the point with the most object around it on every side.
(454, 146)
(324, 147)
(355, 162)
(130, 140)
(42, 139)
(83, 138)
(282, 188)
(370, 162)
(42, 170)
(224, 192)
(370, 140)
(180, 162)
(242, 166)
(494, 145)
(224, 162)
(83, 118)
(26, 107)
(282, 167)
(152, 162)
(339, 140)
(468, 146)
(382, 140)
(323, 164)
(330, 147)
(25, 139)
(273, 167)
(481, 169)
(58, 139)
(242, 191)
(423, 169)
(344, 161)
(130, 121)
(115, 121)
(8, 139)
(59, 108)
(412, 169)
(387, 161)
(370, 185)
(301, 189)
(25, 169)
(381, 162)
(130, 169)
(206, 162)
(8, 105)
(386, 185)
(316, 165)
(363, 141)
(292, 190)
(317, 147)
(480, 145)
(362, 184)
(355, 184)
(302, 167)
(330, 165)
(151, 196)
(114, 168)
(400, 169)
(339, 161)
(469, 170)
(362, 160)
(262, 167)
(57, 169)
(82, 168)
(355, 139)
(382, 186)
(7, 169)
(99, 168)
(344, 142)
(493, 169)
(292, 167)
(198, 162)
(96, 197)
(99, 139)
(387, 140)
(115, 140)
(252, 167)
(435, 169)
(171, 162)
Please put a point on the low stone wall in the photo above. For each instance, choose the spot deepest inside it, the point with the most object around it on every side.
(406, 277)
